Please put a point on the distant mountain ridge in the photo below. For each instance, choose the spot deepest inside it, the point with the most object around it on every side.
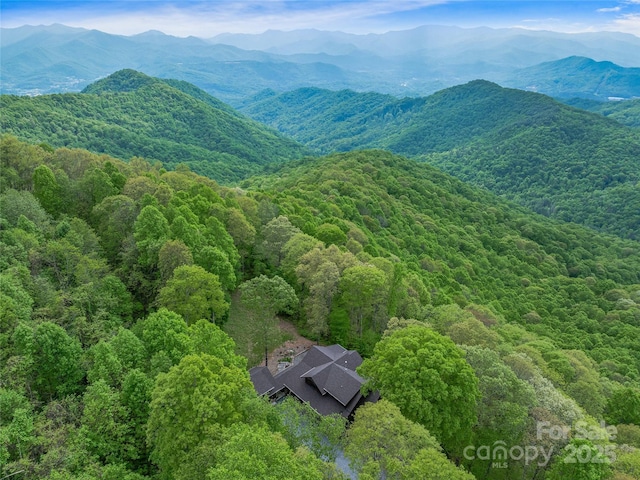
(418, 62)
(557, 160)
(131, 114)
(578, 77)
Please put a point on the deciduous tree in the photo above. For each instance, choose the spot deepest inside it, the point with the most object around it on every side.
(194, 293)
(196, 400)
(427, 377)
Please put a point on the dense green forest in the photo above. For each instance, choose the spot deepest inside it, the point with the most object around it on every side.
(129, 114)
(626, 112)
(556, 160)
(479, 322)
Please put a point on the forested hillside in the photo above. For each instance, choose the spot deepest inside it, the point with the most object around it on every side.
(129, 114)
(578, 77)
(477, 318)
(557, 160)
(626, 112)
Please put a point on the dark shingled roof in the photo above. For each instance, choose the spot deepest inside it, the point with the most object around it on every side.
(325, 378)
(262, 380)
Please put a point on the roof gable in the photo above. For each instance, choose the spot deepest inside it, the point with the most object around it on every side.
(322, 370)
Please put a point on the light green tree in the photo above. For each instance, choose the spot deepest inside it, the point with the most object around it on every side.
(580, 460)
(215, 261)
(196, 400)
(364, 293)
(164, 334)
(207, 337)
(194, 293)
(427, 377)
(383, 441)
(429, 464)
(252, 453)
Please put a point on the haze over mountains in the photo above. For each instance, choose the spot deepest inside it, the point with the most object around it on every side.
(48, 59)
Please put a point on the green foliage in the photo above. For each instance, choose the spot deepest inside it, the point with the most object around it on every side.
(173, 254)
(275, 235)
(426, 376)
(626, 112)
(206, 337)
(257, 453)
(195, 400)
(151, 230)
(572, 464)
(105, 427)
(532, 149)
(129, 114)
(215, 261)
(164, 334)
(331, 234)
(47, 190)
(624, 406)
(547, 312)
(194, 293)
(56, 361)
(467, 247)
(364, 294)
(382, 443)
(627, 465)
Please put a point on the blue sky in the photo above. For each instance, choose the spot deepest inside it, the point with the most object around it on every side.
(209, 18)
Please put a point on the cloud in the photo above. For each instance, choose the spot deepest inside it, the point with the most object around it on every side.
(208, 18)
(629, 23)
(606, 10)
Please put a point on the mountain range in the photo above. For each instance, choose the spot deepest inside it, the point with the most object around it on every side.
(56, 58)
(553, 158)
(130, 114)
(558, 160)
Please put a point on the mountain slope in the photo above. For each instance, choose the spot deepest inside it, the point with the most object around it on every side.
(130, 114)
(626, 112)
(466, 244)
(94, 275)
(558, 160)
(578, 77)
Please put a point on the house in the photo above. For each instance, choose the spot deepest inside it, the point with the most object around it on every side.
(325, 377)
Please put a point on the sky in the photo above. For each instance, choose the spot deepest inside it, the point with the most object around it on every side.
(209, 18)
